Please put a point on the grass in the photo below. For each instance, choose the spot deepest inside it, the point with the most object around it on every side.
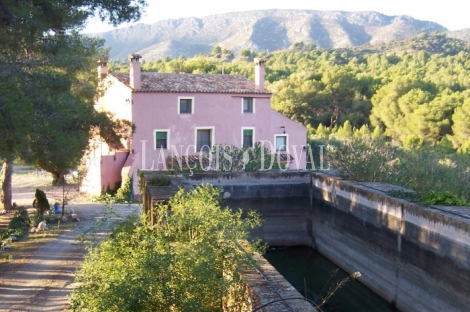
(26, 245)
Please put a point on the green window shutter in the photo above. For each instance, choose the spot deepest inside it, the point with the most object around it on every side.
(161, 135)
(247, 132)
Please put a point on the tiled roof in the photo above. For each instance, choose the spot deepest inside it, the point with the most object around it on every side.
(191, 83)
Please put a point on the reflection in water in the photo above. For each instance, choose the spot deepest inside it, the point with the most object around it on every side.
(314, 277)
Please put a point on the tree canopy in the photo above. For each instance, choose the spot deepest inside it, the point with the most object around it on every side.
(48, 79)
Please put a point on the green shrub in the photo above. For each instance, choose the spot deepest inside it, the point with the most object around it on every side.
(362, 158)
(444, 198)
(426, 169)
(125, 192)
(41, 202)
(229, 158)
(188, 262)
(159, 180)
(421, 167)
(18, 225)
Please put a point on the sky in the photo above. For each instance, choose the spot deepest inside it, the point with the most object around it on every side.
(452, 14)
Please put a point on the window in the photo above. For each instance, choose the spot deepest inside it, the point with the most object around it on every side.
(161, 139)
(248, 105)
(203, 140)
(281, 143)
(247, 137)
(185, 106)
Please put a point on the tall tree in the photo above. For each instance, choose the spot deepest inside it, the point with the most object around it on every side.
(461, 125)
(47, 93)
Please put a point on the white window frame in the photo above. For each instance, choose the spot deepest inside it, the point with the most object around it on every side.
(254, 105)
(253, 137)
(287, 142)
(212, 129)
(155, 138)
(186, 98)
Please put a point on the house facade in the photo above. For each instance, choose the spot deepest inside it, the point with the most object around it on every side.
(183, 116)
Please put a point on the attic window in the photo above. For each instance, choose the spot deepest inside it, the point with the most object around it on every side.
(248, 105)
(185, 106)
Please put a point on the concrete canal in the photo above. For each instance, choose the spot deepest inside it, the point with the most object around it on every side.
(302, 266)
(415, 258)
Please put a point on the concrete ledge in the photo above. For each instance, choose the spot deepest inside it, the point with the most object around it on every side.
(262, 184)
(415, 257)
(273, 286)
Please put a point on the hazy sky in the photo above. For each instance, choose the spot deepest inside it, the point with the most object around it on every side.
(452, 14)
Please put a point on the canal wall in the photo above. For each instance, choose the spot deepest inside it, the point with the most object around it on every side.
(263, 184)
(281, 198)
(417, 258)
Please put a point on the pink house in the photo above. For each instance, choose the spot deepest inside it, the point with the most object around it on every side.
(180, 115)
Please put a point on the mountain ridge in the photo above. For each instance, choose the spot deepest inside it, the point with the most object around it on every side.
(265, 30)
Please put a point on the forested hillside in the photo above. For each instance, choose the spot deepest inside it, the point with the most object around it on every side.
(414, 89)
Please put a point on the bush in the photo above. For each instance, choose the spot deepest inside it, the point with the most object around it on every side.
(229, 158)
(18, 225)
(431, 170)
(187, 262)
(444, 198)
(159, 180)
(41, 202)
(124, 194)
(362, 158)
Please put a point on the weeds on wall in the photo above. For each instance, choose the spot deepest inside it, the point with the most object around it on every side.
(436, 174)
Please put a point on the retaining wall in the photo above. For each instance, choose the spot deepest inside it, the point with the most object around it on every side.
(281, 198)
(262, 184)
(415, 257)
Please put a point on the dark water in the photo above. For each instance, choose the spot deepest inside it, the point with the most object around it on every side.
(307, 270)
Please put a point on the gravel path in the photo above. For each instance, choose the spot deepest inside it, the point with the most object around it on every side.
(44, 281)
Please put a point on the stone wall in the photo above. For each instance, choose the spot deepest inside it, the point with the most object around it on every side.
(417, 258)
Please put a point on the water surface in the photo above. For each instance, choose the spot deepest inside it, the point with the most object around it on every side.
(315, 277)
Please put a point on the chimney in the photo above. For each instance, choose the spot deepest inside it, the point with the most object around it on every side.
(102, 68)
(134, 74)
(259, 73)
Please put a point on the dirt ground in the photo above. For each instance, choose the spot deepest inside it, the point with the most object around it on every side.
(37, 273)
